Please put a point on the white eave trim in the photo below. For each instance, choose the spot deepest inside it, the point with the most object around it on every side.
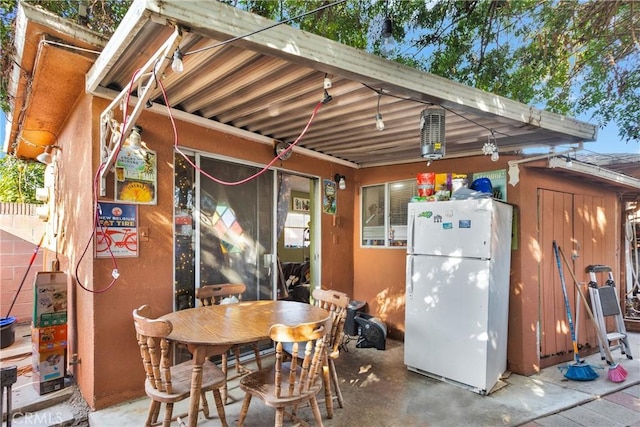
(604, 174)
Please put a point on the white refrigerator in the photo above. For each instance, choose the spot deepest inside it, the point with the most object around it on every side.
(457, 291)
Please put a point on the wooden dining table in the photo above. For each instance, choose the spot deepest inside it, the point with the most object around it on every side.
(211, 330)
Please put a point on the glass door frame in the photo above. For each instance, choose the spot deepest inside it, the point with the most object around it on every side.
(315, 236)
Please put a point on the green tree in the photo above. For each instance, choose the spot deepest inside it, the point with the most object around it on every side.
(19, 180)
(567, 56)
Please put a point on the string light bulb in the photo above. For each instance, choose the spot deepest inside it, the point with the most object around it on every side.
(379, 122)
(388, 45)
(177, 66)
(495, 155)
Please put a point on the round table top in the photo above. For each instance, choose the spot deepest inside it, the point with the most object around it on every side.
(240, 323)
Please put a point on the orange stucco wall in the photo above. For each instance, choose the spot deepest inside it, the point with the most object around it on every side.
(101, 328)
(109, 368)
(379, 274)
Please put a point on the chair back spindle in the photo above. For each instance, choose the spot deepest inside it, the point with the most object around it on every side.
(214, 294)
(291, 381)
(165, 382)
(154, 348)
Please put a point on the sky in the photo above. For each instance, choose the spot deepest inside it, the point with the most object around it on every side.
(609, 142)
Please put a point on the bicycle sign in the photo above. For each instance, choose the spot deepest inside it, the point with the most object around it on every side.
(117, 232)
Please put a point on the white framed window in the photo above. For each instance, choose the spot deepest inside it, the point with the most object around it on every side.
(296, 230)
(384, 213)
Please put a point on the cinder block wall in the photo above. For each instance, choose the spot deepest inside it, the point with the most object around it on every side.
(20, 232)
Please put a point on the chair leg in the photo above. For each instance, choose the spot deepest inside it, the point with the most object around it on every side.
(156, 412)
(236, 352)
(256, 351)
(224, 371)
(245, 408)
(326, 382)
(336, 384)
(152, 416)
(168, 414)
(316, 411)
(220, 407)
(279, 417)
(205, 405)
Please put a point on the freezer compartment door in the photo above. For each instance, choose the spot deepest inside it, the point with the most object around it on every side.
(447, 330)
(453, 228)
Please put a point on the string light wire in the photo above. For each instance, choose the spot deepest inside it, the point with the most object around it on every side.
(249, 178)
(97, 211)
(286, 21)
(96, 204)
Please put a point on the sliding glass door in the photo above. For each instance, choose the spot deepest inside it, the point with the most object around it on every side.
(235, 227)
(223, 232)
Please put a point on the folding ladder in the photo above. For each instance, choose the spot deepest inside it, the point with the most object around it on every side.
(605, 304)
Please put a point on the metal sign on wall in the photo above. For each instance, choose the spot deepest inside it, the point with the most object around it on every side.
(329, 197)
(117, 234)
(136, 179)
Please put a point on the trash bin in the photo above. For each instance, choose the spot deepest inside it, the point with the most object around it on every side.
(350, 326)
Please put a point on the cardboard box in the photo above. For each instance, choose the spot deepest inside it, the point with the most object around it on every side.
(49, 337)
(50, 299)
(44, 387)
(49, 365)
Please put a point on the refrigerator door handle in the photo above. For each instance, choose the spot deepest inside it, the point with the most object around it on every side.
(409, 277)
(410, 236)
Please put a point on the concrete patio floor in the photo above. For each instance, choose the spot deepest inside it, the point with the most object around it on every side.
(379, 391)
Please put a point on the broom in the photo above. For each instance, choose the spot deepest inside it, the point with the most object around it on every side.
(617, 373)
(578, 371)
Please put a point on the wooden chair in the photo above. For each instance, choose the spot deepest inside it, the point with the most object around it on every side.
(336, 303)
(167, 383)
(215, 294)
(288, 384)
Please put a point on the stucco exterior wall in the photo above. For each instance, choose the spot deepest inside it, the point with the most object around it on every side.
(109, 369)
(379, 273)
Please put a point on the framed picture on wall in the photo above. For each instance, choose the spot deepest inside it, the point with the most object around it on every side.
(300, 204)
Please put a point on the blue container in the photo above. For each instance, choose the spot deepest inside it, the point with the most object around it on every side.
(7, 332)
(483, 185)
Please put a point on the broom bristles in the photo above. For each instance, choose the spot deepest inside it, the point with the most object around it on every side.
(617, 373)
(580, 372)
